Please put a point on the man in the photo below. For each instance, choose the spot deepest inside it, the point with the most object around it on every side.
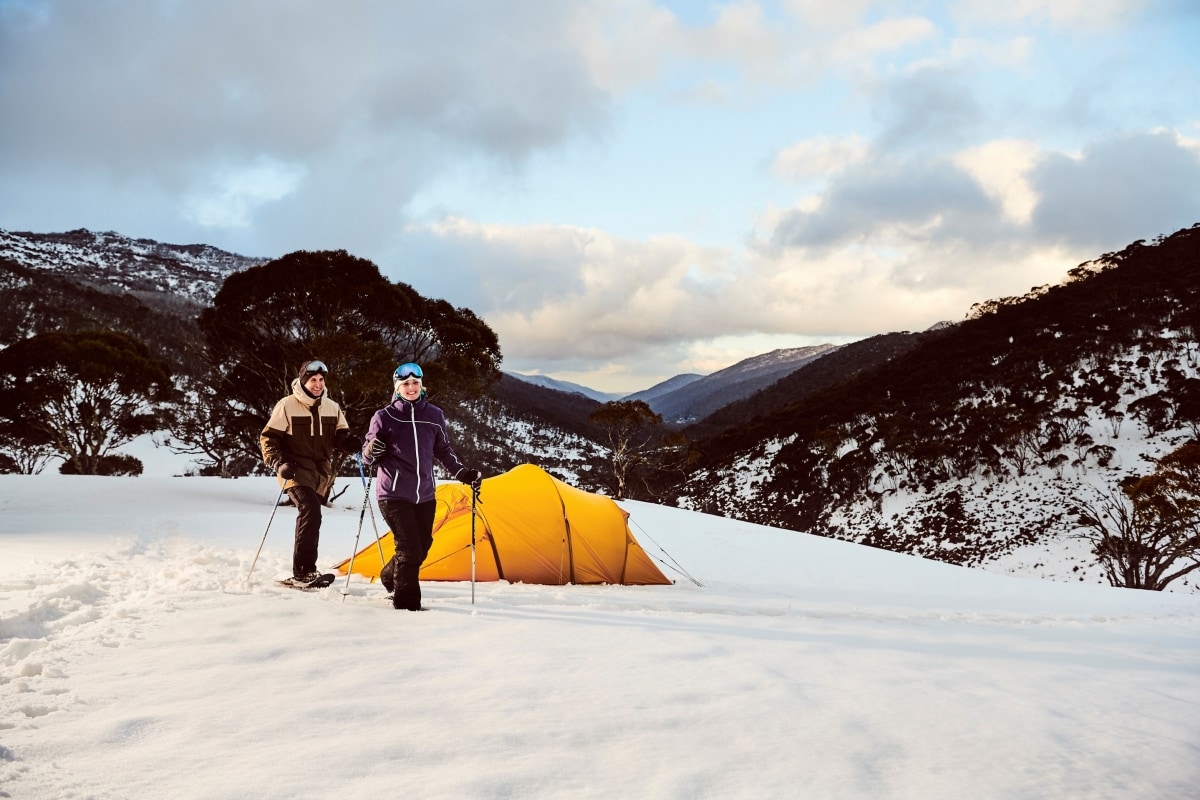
(298, 443)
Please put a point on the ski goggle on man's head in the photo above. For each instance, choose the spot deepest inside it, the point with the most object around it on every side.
(315, 367)
(408, 371)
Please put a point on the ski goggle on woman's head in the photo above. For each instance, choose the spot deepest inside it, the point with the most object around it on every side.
(407, 372)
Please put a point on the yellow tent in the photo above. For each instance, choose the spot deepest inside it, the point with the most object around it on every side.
(529, 528)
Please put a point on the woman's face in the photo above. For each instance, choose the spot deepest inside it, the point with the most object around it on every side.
(410, 388)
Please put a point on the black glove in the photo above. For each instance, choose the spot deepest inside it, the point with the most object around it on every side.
(471, 476)
(286, 471)
(378, 447)
(352, 443)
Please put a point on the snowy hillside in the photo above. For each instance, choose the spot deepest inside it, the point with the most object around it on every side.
(1014, 524)
(500, 435)
(136, 661)
(981, 445)
(1034, 517)
(133, 265)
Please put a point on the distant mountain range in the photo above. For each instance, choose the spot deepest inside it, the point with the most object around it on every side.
(697, 398)
(686, 398)
(668, 386)
(565, 386)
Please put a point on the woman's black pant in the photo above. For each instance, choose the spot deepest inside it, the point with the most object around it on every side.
(412, 530)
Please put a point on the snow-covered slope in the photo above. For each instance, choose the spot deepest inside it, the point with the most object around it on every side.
(981, 445)
(133, 265)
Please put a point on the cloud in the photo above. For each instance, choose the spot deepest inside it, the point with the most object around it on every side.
(1002, 168)
(228, 197)
(1005, 191)
(911, 198)
(829, 14)
(820, 157)
(554, 292)
(928, 108)
(882, 37)
(195, 97)
(628, 43)
(896, 242)
(1117, 190)
(1075, 14)
(565, 300)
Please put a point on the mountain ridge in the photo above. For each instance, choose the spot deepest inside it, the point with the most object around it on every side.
(565, 386)
(977, 444)
(110, 259)
(695, 399)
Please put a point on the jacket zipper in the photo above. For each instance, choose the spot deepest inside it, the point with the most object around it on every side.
(318, 424)
(412, 408)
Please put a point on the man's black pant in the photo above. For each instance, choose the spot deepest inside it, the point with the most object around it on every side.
(412, 530)
(308, 529)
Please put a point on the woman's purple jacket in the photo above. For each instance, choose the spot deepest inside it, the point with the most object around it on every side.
(416, 434)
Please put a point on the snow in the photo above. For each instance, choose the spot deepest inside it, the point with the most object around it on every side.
(136, 661)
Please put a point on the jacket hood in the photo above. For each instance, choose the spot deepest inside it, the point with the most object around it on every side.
(302, 394)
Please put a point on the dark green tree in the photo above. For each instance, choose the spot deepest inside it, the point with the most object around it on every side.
(85, 394)
(1187, 410)
(642, 455)
(200, 423)
(23, 449)
(339, 308)
(115, 464)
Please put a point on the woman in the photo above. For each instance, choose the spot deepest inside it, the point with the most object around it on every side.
(298, 443)
(402, 442)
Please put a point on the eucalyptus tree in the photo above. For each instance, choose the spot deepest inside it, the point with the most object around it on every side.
(266, 320)
(83, 395)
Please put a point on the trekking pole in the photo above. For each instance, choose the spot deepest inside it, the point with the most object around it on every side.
(367, 489)
(264, 538)
(354, 552)
(474, 494)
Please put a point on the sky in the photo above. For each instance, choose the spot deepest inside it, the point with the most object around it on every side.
(625, 190)
(139, 657)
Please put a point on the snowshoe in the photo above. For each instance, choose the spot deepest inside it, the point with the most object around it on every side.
(309, 582)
